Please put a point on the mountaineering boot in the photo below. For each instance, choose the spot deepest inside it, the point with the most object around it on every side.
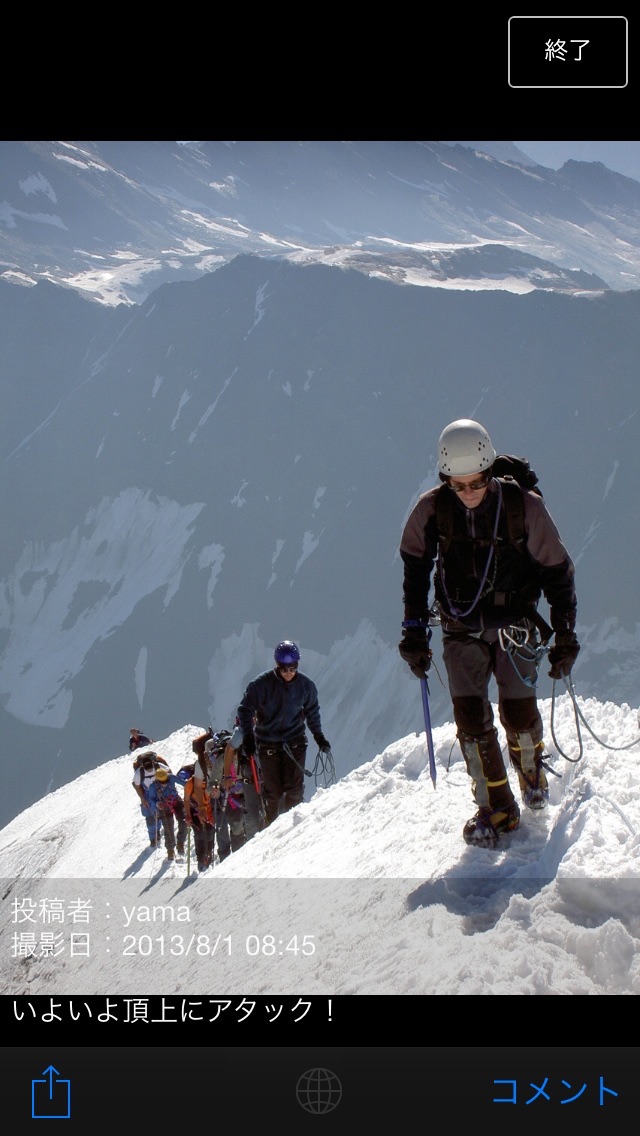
(485, 766)
(180, 849)
(497, 810)
(527, 758)
(486, 827)
(170, 854)
(537, 796)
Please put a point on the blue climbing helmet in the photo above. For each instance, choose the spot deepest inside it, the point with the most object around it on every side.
(286, 652)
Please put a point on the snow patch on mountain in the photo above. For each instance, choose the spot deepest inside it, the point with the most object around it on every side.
(75, 591)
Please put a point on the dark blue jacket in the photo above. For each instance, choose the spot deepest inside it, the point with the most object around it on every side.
(277, 710)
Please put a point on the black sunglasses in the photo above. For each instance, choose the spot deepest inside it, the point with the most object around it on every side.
(480, 483)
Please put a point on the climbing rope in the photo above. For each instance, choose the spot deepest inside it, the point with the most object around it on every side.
(323, 772)
(578, 718)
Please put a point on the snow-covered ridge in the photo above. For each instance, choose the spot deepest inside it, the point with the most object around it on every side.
(370, 875)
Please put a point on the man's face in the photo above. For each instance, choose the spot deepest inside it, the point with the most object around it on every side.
(288, 671)
(470, 488)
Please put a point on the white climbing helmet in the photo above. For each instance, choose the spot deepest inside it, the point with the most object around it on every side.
(464, 447)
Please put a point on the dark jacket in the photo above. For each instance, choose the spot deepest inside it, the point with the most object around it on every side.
(138, 740)
(277, 710)
(482, 581)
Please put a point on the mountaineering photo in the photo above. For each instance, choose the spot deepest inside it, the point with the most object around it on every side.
(319, 464)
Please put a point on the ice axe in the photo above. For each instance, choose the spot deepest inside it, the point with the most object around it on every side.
(427, 727)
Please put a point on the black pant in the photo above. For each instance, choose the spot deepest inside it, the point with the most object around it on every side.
(471, 662)
(203, 839)
(167, 818)
(282, 775)
(229, 826)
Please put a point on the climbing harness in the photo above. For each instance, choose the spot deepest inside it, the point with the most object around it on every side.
(520, 642)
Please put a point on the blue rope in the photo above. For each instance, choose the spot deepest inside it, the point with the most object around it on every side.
(459, 612)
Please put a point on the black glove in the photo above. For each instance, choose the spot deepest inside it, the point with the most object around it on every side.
(415, 651)
(563, 654)
(322, 743)
(248, 744)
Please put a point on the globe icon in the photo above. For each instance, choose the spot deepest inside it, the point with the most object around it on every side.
(318, 1091)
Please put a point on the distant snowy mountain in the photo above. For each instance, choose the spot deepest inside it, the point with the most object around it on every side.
(116, 219)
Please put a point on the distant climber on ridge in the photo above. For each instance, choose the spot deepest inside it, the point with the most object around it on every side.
(273, 713)
(144, 772)
(138, 739)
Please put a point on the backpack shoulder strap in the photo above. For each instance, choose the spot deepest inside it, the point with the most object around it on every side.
(513, 504)
(444, 518)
